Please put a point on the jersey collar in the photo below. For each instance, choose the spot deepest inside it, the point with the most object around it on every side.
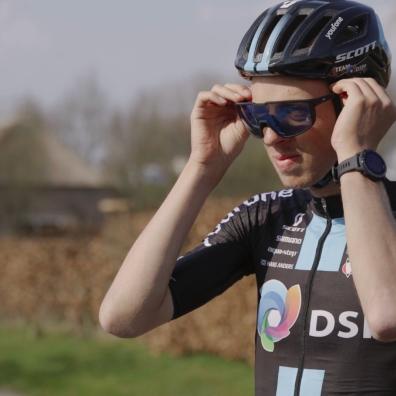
(327, 207)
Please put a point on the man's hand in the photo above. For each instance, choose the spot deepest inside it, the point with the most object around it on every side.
(217, 133)
(367, 115)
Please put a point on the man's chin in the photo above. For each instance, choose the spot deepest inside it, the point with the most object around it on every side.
(294, 182)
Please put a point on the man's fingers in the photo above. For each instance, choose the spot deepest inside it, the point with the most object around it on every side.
(364, 90)
(349, 87)
(231, 94)
(369, 94)
(208, 97)
(380, 91)
(240, 89)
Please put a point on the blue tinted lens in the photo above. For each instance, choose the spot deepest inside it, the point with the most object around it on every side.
(249, 114)
(291, 118)
(287, 119)
(253, 117)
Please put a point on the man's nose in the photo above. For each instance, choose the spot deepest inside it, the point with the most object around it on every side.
(271, 137)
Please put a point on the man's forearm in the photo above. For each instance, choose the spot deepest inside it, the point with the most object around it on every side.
(371, 241)
(143, 278)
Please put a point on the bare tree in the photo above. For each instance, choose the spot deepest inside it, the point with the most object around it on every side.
(82, 119)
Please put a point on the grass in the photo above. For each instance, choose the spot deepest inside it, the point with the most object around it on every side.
(59, 364)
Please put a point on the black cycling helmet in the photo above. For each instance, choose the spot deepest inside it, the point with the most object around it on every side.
(319, 39)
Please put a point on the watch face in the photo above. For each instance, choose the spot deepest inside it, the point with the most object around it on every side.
(374, 163)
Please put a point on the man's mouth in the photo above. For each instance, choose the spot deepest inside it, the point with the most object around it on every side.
(286, 162)
(284, 157)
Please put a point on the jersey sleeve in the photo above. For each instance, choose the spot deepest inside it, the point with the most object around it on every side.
(219, 261)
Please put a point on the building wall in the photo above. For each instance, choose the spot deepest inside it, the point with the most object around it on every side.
(51, 209)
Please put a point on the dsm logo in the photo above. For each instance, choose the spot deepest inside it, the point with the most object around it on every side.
(278, 311)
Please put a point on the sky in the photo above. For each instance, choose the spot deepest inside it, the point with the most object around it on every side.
(47, 46)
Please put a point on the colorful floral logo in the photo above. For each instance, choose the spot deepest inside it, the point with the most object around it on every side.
(278, 311)
(347, 268)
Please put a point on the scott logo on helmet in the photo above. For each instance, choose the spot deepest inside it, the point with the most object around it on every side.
(355, 53)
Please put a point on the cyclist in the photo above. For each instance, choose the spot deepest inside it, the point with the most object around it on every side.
(323, 250)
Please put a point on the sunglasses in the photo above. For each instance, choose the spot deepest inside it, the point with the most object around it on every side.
(286, 118)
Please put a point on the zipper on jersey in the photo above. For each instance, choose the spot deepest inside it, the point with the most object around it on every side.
(307, 295)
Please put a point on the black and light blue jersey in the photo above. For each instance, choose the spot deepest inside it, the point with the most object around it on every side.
(311, 335)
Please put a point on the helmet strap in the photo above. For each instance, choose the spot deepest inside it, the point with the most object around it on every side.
(324, 181)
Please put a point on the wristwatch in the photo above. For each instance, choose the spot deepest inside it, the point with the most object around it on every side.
(368, 162)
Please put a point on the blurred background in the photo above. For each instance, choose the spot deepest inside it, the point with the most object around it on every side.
(94, 129)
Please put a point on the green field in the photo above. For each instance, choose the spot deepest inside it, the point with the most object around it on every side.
(59, 364)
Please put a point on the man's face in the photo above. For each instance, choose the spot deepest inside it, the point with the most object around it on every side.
(303, 160)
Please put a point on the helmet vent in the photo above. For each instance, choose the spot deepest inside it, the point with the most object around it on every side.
(248, 38)
(265, 35)
(355, 30)
(243, 50)
(314, 32)
(288, 33)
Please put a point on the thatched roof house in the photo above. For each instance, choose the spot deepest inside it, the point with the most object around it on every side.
(44, 185)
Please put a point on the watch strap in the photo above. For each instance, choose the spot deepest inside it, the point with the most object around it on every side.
(359, 163)
(345, 166)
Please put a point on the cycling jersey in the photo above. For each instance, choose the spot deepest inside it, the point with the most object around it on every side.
(311, 337)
